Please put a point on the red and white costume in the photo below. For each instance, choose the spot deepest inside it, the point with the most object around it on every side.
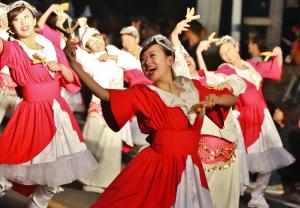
(219, 150)
(41, 143)
(8, 95)
(133, 74)
(262, 141)
(105, 144)
(74, 100)
(169, 172)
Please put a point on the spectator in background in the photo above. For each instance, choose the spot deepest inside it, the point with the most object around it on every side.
(275, 186)
(256, 46)
(148, 29)
(137, 22)
(192, 37)
(295, 51)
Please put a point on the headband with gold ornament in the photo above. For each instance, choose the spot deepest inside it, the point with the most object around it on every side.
(23, 4)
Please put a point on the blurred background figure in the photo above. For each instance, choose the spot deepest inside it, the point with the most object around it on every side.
(256, 45)
(192, 37)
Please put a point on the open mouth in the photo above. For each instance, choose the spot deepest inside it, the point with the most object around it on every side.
(150, 70)
(25, 28)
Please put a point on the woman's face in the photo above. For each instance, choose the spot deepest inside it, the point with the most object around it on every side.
(23, 24)
(96, 43)
(156, 64)
(278, 115)
(252, 48)
(190, 62)
(229, 53)
(129, 42)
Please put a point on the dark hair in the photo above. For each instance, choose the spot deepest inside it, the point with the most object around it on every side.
(148, 29)
(166, 51)
(259, 41)
(11, 15)
(51, 22)
(196, 28)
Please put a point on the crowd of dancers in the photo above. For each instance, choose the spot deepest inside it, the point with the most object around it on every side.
(201, 131)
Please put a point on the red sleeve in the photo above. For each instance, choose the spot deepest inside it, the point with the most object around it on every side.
(51, 35)
(268, 69)
(13, 56)
(7, 57)
(74, 86)
(122, 105)
(218, 114)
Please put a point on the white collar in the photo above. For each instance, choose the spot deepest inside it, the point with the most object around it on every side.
(250, 74)
(48, 50)
(185, 100)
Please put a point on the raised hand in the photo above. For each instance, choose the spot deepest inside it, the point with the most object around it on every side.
(212, 39)
(190, 14)
(203, 46)
(181, 26)
(70, 51)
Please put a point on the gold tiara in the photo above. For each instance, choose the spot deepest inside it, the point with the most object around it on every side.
(23, 4)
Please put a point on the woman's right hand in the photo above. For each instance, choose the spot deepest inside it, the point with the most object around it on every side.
(70, 51)
(55, 8)
(203, 46)
(181, 26)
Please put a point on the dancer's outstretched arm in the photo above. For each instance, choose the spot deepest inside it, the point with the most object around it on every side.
(203, 46)
(97, 90)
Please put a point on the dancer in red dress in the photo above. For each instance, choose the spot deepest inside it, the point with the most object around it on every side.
(262, 141)
(169, 172)
(42, 143)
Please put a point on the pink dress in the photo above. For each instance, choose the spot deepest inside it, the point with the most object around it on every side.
(74, 100)
(169, 172)
(8, 95)
(42, 143)
(262, 141)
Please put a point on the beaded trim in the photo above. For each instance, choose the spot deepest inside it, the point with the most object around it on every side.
(219, 158)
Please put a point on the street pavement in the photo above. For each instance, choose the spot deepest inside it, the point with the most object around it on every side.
(74, 197)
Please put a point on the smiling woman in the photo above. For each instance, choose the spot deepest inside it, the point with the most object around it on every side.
(44, 132)
(168, 173)
(265, 152)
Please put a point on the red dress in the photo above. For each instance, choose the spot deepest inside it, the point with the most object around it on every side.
(262, 141)
(42, 143)
(169, 172)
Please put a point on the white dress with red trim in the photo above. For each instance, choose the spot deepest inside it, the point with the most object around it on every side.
(262, 141)
(220, 150)
(133, 74)
(105, 144)
(42, 143)
(169, 172)
(74, 100)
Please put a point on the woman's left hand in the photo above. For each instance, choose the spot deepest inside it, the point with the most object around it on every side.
(277, 51)
(211, 100)
(53, 66)
(198, 108)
